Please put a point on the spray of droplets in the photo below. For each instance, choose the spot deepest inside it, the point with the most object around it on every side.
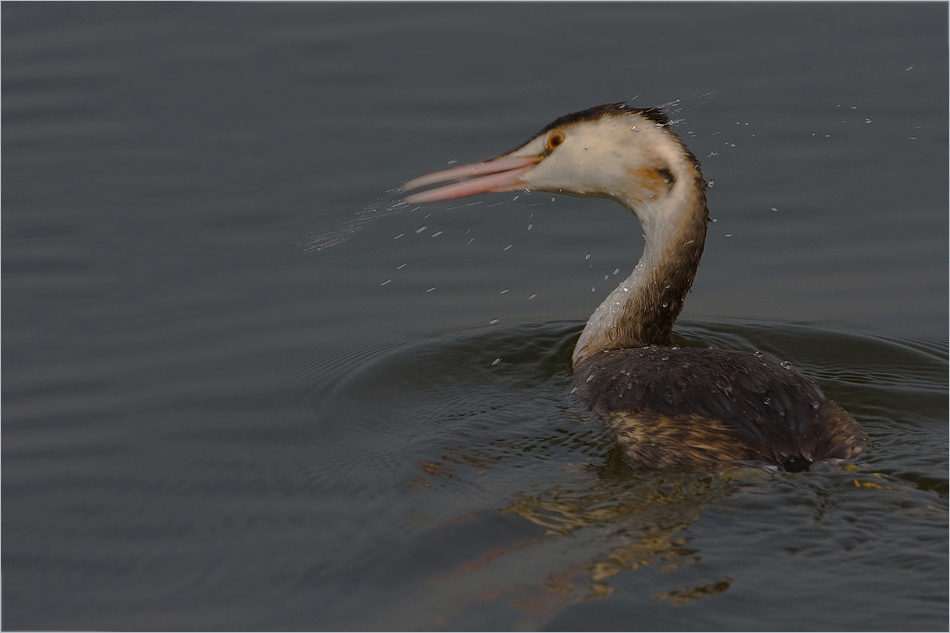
(322, 240)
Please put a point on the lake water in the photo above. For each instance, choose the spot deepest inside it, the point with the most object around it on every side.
(209, 425)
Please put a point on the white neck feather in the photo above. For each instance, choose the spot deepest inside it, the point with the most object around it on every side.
(642, 309)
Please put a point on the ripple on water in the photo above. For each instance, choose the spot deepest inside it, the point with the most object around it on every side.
(454, 439)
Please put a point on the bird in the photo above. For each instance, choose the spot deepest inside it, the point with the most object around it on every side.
(670, 407)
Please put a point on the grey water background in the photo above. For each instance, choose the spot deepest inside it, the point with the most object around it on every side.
(207, 424)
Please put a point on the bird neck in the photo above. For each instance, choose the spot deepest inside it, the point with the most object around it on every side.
(641, 310)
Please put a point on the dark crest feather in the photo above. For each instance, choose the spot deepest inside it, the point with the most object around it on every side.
(596, 113)
(655, 115)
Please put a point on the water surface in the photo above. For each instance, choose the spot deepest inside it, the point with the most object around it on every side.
(207, 425)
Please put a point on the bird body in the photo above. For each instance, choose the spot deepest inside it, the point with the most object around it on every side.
(670, 407)
(674, 407)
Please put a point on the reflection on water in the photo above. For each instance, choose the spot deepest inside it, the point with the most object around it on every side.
(682, 596)
(623, 523)
(647, 517)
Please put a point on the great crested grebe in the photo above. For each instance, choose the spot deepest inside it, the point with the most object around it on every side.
(670, 407)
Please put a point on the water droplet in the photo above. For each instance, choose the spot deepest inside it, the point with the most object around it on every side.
(421, 228)
(503, 291)
(665, 304)
(589, 378)
(674, 348)
(867, 120)
(592, 288)
(767, 401)
(495, 362)
(757, 354)
(533, 295)
(385, 282)
(585, 149)
(431, 289)
(398, 236)
(711, 183)
(616, 270)
(587, 256)
(401, 266)
(436, 234)
(493, 321)
(507, 247)
(728, 234)
(785, 364)
(606, 276)
(774, 209)
(664, 357)
(854, 107)
(530, 226)
(713, 220)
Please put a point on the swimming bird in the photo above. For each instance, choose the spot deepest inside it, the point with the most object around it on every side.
(670, 407)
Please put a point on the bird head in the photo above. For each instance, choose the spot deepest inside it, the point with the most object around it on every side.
(609, 151)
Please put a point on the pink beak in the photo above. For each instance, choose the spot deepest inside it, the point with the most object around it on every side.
(501, 174)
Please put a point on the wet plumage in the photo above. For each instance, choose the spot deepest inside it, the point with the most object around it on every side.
(689, 406)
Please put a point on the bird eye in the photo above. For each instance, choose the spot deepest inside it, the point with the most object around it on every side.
(555, 139)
